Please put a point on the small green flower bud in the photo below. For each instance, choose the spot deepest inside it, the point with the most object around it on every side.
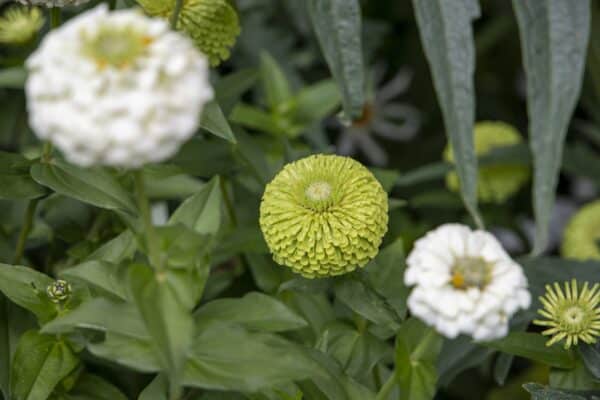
(59, 291)
(19, 25)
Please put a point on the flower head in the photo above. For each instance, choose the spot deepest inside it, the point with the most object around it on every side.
(116, 88)
(324, 215)
(58, 291)
(382, 116)
(19, 25)
(582, 234)
(465, 283)
(213, 25)
(496, 182)
(572, 315)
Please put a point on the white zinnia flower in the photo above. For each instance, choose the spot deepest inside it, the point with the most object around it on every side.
(116, 88)
(465, 283)
(52, 3)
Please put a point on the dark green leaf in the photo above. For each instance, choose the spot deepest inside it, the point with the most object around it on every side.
(118, 249)
(254, 311)
(554, 37)
(230, 88)
(215, 122)
(533, 346)
(13, 78)
(276, 87)
(590, 354)
(578, 378)
(337, 24)
(167, 181)
(92, 387)
(105, 276)
(134, 353)
(27, 288)
(540, 392)
(168, 321)
(15, 181)
(315, 102)
(447, 37)
(158, 389)
(93, 185)
(202, 211)
(230, 358)
(502, 367)
(457, 355)
(417, 350)
(40, 362)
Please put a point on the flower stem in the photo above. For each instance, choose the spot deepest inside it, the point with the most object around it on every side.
(47, 152)
(25, 230)
(55, 17)
(385, 391)
(175, 15)
(144, 206)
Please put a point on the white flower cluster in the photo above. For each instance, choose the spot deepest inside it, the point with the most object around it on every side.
(52, 3)
(465, 283)
(116, 88)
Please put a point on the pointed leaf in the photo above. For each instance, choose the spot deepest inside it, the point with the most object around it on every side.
(27, 288)
(15, 180)
(202, 211)
(447, 37)
(215, 122)
(554, 37)
(337, 24)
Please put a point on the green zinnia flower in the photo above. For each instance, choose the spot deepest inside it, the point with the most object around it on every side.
(497, 182)
(19, 25)
(324, 215)
(581, 236)
(573, 315)
(213, 25)
(59, 291)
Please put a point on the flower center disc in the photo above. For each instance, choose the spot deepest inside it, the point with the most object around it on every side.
(117, 47)
(318, 191)
(574, 317)
(470, 272)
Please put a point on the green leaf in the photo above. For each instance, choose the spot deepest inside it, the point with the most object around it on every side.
(92, 185)
(101, 315)
(578, 378)
(105, 276)
(457, 355)
(590, 353)
(120, 248)
(554, 38)
(255, 311)
(533, 346)
(337, 24)
(93, 387)
(169, 322)
(424, 174)
(230, 358)
(417, 350)
(15, 180)
(40, 362)
(230, 88)
(14, 321)
(134, 353)
(202, 211)
(168, 181)
(27, 288)
(215, 122)
(315, 102)
(447, 37)
(255, 118)
(357, 351)
(275, 84)
(13, 78)
(540, 392)
(158, 389)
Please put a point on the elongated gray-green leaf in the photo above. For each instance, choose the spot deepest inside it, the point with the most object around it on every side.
(554, 36)
(337, 24)
(447, 36)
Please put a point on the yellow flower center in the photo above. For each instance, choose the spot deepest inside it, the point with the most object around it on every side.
(116, 46)
(470, 272)
(318, 191)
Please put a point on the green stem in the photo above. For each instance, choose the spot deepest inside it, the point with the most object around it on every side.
(25, 230)
(385, 391)
(144, 206)
(175, 15)
(55, 17)
(47, 152)
(424, 344)
(112, 4)
(228, 202)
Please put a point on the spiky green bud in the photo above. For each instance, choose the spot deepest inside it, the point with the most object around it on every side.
(324, 215)
(213, 25)
(20, 25)
(581, 236)
(59, 291)
(495, 183)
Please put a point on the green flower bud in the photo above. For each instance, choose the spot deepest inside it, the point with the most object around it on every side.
(495, 183)
(581, 236)
(59, 291)
(20, 25)
(213, 25)
(324, 215)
